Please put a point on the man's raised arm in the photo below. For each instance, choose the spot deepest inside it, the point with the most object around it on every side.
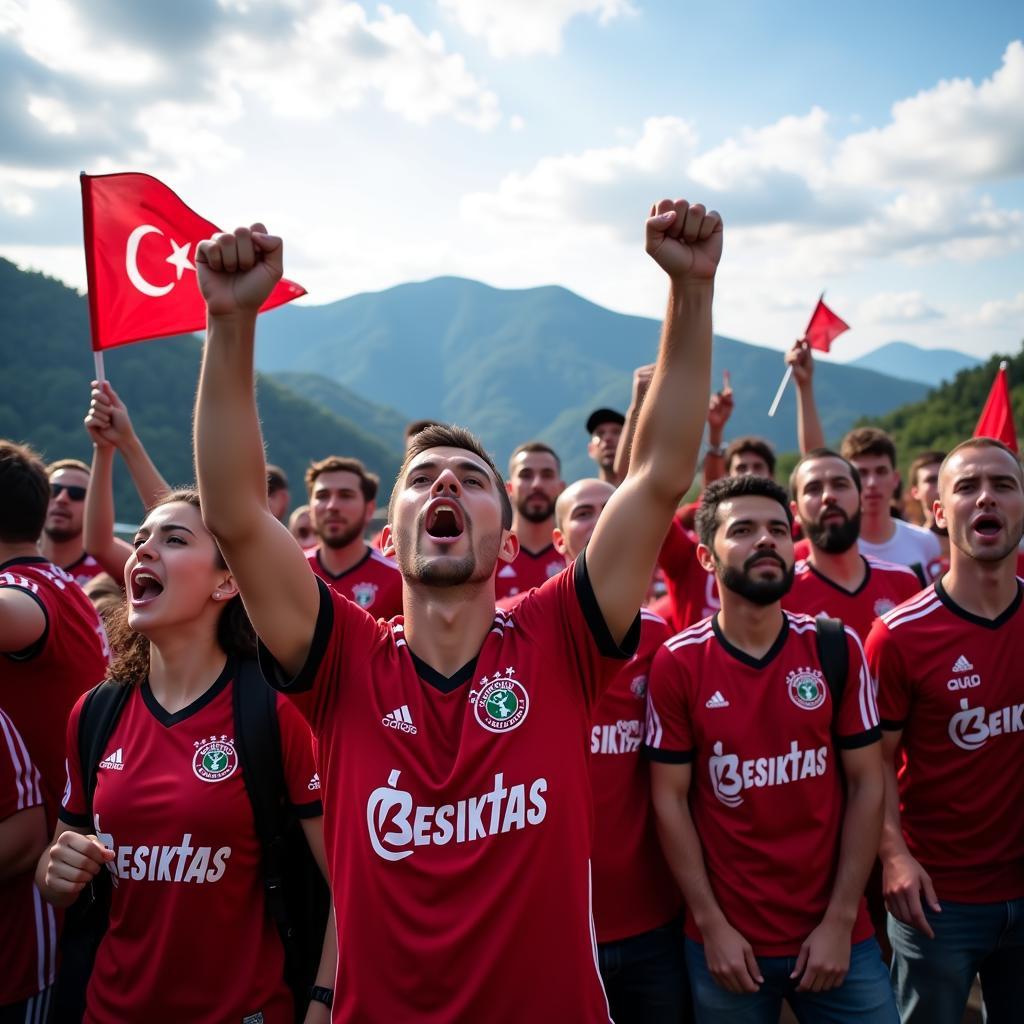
(236, 274)
(686, 242)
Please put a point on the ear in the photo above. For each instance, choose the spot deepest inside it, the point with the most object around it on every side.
(508, 488)
(226, 589)
(706, 558)
(796, 512)
(509, 547)
(558, 539)
(939, 515)
(387, 541)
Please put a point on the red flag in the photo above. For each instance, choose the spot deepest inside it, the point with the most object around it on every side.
(997, 416)
(140, 247)
(824, 327)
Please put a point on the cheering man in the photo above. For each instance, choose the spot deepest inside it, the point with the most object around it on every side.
(453, 743)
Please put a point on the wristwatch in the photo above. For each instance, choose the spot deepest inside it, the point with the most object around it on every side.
(716, 450)
(319, 994)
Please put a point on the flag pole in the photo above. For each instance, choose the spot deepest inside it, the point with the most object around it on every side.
(782, 387)
(97, 353)
(97, 358)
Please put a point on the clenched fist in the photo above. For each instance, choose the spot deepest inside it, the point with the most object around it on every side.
(684, 240)
(238, 270)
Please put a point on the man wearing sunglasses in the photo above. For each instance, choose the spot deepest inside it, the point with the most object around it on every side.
(61, 542)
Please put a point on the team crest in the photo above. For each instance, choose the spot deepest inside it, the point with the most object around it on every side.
(215, 759)
(882, 606)
(806, 688)
(502, 703)
(364, 594)
(554, 568)
(638, 687)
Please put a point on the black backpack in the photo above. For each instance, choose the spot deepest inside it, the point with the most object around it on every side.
(835, 660)
(296, 896)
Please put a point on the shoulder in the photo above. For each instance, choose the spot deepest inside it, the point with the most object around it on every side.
(382, 560)
(801, 569)
(890, 568)
(697, 635)
(916, 609)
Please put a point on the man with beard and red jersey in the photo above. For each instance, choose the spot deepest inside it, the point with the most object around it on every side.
(636, 901)
(768, 790)
(951, 693)
(534, 484)
(453, 742)
(342, 496)
(836, 580)
(61, 539)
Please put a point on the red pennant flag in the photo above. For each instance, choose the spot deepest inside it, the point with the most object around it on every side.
(140, 247)
(824, 327)
(997, 416)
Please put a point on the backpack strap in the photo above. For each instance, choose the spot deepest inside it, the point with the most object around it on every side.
(834, 656)
(258, 745)
(100, 712)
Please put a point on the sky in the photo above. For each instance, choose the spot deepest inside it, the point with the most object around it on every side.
(873, 151)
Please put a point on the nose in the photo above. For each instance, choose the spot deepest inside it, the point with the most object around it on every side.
(766, 540)
(446, 483)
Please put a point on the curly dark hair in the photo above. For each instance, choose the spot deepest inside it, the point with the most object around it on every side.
(729, 487)
(130, 663)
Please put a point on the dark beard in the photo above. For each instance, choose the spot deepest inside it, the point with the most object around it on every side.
(60, 534)
(760, 592)
(450, 573)
(832, 539)
(341, 540)
(536, 515)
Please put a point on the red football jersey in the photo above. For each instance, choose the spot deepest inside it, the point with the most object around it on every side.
(84, 569)
(885, 585)
(459, 817)
(28, 926)
(693, 591)
(952, 682)
(527, 571)
(189, 939)
(767, 794)
(38, 687)
(374, 583)
(633, 888)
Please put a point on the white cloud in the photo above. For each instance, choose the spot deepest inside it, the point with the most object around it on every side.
(898, 308)
(525, 27)
(1001, 312)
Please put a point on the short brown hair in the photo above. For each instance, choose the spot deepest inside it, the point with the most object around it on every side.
(415, 426)
(24, 493)
(726, 489)
(924, 459)
(757, 445)
(277, 480)
(368, 482)
(868, 441)
(823, 453)
(447, 435)
(535, 446)
(68, 464)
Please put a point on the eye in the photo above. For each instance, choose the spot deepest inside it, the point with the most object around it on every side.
(138, 542)
(175, 538)
(474, 480)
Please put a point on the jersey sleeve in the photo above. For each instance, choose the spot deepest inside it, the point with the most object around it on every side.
(297, 753)
(73, 810)
(669, 736)
(565, 616)
(857, 723)
(343, 631)
(20, 786)
(894, 688)
(13, 580)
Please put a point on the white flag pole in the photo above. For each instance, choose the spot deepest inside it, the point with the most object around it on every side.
(97, 358)
(782, 387)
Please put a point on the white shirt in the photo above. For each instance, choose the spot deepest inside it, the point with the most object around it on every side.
(909, 545)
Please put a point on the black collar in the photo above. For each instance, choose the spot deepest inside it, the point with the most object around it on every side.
(977, 620)
(167, 719)
(25, 560)
(842, 590)
(353, 568)
(742, 656)
(446, 684)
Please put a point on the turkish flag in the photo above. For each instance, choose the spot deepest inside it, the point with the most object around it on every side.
(140, 248)
(997, 416)
(824, 327)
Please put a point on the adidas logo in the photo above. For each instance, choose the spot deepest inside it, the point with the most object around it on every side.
(114, 761)
(716, 700)
(400, 719)
(962, 665)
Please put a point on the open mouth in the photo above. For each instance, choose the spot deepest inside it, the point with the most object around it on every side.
(444, 520)
(987, 526)
(145, 587)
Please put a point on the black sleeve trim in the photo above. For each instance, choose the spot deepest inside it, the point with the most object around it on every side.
(72, 819)
(35, 648)
(893, 725)
(668, 756)
(303, 682)
(594, 617)
(314, 809)
(860, 739)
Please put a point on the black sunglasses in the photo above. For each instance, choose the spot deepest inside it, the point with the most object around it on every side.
(74, 493)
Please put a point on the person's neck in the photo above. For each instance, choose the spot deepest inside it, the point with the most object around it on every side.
(846, 569)
(447, 626)
(609, 476)
(533, 537)
(878, 529)
(985, 589)
(184, 665)
(23, 549)
(752, 628)
(339, 560)
(61, 552)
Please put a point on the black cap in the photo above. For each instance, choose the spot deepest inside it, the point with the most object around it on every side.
(599, 416)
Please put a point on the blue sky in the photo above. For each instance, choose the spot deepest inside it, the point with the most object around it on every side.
(876, 151)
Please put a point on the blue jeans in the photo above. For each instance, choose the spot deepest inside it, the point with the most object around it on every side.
(864, 996)
(933, 977)
(645, 977)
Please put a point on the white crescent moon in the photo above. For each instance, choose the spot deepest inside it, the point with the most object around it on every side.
(131, 262)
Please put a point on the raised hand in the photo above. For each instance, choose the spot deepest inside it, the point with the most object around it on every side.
(684, 240)
(721, 405)
(800, 358)
(642, 377)
(238, 270)
(107, 420)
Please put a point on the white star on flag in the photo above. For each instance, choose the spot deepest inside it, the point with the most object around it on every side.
(179, 258)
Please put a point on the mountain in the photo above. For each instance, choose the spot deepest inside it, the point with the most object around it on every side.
(47, 361)
(531, 363)
(929, 366)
